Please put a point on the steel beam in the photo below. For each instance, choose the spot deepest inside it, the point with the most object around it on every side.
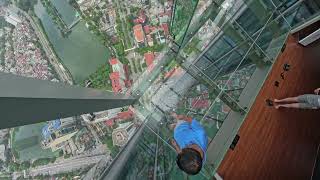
(26, 100)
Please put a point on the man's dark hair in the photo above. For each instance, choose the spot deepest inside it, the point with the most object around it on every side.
(190, 161)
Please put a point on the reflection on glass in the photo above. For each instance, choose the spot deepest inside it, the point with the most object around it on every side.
(302, 12)
(183, 13)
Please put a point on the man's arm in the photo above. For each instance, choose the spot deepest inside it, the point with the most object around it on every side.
(182, 117)
(175, 145)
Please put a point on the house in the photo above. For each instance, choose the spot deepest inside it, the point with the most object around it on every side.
(117, 66)
(138, 33)
(150, 40)
(12, 18)
(197, 103)
(125, 115)
(119, 76)
(109, 122)
(165, 29)
(118, 84)
(141, 19)
(149, 58)
(147, 29)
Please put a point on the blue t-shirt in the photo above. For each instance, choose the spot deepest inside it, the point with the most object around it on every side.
(187, 133)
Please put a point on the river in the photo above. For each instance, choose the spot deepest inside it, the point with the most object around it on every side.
(81, 52)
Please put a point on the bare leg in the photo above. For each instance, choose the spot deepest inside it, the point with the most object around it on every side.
(294, 105)
(289, 100)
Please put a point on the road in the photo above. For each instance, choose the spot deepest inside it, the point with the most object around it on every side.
(94, 133)
(64, 74)
(129, 41)
(64, 166)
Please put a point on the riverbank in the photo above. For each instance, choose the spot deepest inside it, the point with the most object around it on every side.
(41, 28)
(56, 17)
(81, 52)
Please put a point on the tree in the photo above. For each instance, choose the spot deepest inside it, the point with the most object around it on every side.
(100, 78)
(114, 149)
(43, 161)
(66, 156)
(14, 166)
(60, 153)
(119, 48)
(25, 165)
(26, 5)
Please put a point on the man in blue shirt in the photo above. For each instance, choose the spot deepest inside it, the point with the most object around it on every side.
(190, 142)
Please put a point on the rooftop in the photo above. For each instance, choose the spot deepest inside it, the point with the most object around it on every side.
(113, 61)
(115, 81)
(125, 115)
(149, 57)
(138, 33)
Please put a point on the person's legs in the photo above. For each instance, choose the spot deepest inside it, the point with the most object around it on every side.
(295, 105)
(289, 100)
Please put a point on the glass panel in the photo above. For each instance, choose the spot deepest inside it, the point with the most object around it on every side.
(273, 36)
(142, 157)
(180, 21)
(228, 64)
(207, 29)
(166, 163)
(302, 12)
(280, 4)
(236, 81)
(213, 118)
(254, 17)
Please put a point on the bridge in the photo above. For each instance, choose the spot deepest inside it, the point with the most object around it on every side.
(74, 23)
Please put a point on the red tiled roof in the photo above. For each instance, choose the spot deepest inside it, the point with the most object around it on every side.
(138, 33)
(125, 115)
(113, 61)
(152, 29)
(149, 57)
(115, 81)
(150, 68)
(109, 122)
(137, 21)
(199, 103)
(142, 17)
(169, 73)
(165, 28)
(173, 72)
(146, 29)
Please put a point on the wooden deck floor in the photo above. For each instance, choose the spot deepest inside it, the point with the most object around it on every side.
(280, 144)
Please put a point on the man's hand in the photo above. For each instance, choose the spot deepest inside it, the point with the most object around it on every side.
(175, 145)
(181, 117)
(316, 91)
(173, 142)
(174, 115)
